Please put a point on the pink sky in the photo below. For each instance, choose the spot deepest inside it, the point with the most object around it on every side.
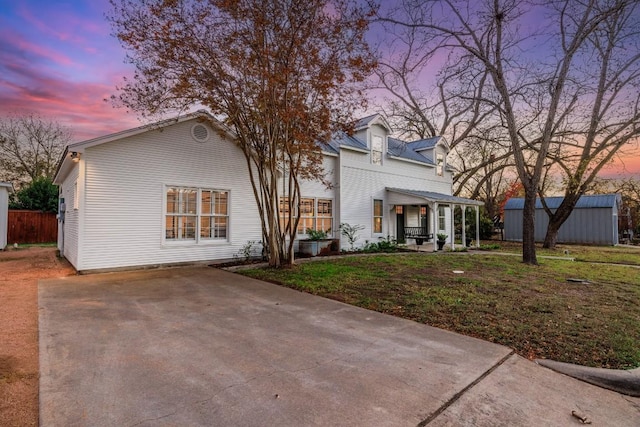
(58, 59)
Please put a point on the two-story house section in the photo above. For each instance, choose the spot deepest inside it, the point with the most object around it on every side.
(178, 191)
(392, 188)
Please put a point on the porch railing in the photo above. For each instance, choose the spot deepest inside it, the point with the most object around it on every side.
(419, 233)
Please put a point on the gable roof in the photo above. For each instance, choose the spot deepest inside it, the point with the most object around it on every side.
(424, 144)
(66, 162)
(584, 202)
(401, 149)
(365, 122)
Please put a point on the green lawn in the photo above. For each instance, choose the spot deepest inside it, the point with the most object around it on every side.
(612, 254)
(532, 309)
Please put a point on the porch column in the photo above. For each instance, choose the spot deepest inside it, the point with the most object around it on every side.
(435, 226)
(477, 227)
(452, 209)
(463, 208)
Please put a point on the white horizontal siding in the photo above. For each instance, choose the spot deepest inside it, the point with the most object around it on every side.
(4, 216)
(71, 229)
(125, 185)
(361, 183)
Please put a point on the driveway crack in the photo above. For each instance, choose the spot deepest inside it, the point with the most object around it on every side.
(459, 394)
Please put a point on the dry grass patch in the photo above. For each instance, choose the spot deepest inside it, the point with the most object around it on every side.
(533, 309)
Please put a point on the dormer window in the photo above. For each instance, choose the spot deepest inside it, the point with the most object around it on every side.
(376, 150)
(439, 163)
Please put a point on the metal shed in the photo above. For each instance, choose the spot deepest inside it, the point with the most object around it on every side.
(594, 220)
(5, 189)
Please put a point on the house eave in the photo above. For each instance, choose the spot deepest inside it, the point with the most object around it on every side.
(432, 197)
(402, 159)
(359, 150)
(327, 153)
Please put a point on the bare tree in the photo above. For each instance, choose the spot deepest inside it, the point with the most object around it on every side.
(603, 116)
(532, 73)
(447, 100)
(283, 75)
(30, 147)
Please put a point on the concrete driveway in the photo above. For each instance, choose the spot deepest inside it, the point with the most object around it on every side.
(205, 347)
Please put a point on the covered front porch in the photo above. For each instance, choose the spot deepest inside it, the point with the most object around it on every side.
(422, 215)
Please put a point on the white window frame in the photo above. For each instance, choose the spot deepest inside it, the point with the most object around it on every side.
(198, 214)
(442, 219)
(376, 159)
(374, 216)
(440, 163)
(301, 232)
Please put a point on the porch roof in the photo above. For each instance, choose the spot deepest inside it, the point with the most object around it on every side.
(399, 196)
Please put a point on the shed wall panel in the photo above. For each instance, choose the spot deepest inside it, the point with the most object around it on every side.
(584, 225)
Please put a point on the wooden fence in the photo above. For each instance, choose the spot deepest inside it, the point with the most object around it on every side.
(31, 227)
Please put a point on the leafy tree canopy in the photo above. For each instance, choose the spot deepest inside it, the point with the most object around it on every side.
(282, 74)
(40, 195)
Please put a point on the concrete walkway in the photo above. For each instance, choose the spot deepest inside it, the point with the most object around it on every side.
(203, 347)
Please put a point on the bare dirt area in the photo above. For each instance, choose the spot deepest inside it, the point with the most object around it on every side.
(20, 270)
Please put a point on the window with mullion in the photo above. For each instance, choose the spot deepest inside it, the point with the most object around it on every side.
(182, 215)
(194, 214)
(377, 216)
(314, 214)
(442, 219)
(214, 214)
(376, 149)
(307, 215)
(324, 220)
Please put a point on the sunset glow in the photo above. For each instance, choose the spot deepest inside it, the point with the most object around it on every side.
(59, 60)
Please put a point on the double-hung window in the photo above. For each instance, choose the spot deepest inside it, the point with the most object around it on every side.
(196, 214)
(377, 216)
(316, 214)
(439, 163)
(442, 219)
(324, 220)
(376, 150)
(307, 215)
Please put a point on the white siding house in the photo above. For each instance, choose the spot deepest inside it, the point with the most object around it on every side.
(178, 192)
(5, 189)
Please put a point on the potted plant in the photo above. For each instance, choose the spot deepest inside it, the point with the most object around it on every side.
(442, 239)
(315, 243)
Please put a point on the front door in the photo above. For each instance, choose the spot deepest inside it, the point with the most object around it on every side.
(424, 218)
(400, 224)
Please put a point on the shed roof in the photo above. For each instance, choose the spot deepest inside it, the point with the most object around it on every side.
(431, 196)
(7, 185)
(584, 202)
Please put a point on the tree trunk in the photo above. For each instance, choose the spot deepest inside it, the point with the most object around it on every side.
(528, 229)
(551, 237)
(558, 218)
